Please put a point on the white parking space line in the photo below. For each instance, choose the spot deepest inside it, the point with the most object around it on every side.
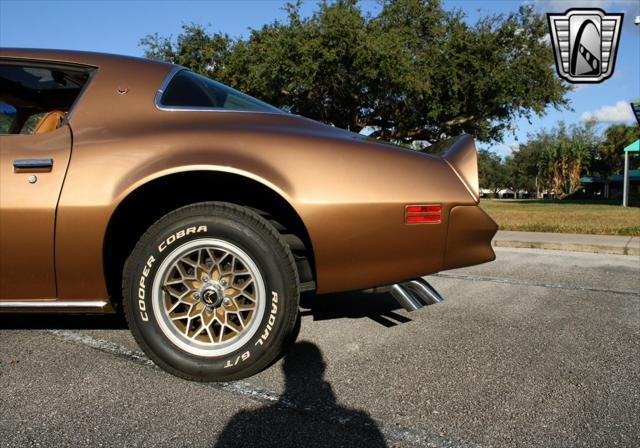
(395, 435)
(508, 281)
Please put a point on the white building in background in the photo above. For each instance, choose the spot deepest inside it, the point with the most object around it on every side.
(506, 193)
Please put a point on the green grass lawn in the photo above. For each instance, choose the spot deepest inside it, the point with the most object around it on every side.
(563, 216)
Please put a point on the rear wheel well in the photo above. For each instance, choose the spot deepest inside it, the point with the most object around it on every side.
(148, 203)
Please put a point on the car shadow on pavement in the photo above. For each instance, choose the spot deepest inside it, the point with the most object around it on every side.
(23, 321)
(380, 308)
(306, 415)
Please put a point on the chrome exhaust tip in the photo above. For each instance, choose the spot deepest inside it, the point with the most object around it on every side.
(425, 292)
(414, 294)
(406, 298)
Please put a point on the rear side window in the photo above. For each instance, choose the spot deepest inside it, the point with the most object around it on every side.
(36, 97)
(189, 90)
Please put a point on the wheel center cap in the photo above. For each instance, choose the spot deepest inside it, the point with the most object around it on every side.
(211, 295)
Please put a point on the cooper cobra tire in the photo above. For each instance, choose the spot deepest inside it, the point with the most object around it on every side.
(210, 292)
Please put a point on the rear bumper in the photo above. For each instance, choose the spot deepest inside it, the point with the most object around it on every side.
(469, 237)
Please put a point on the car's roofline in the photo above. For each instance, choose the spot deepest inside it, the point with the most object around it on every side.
(75, 57)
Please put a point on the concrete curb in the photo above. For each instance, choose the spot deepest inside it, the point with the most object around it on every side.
(602, 244)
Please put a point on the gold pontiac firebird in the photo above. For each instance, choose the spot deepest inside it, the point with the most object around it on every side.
(203, 212)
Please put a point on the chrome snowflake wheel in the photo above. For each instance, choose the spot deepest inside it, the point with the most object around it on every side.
(208, 297)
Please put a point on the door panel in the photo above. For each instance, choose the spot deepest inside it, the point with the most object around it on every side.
(28, 211)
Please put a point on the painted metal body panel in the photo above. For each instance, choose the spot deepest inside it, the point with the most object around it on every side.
(28, 212)
(348, 191)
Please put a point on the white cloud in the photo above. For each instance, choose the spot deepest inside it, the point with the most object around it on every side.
(610, 114)
(547, 39)
(561, 6)
(506, 149)
(630, 8)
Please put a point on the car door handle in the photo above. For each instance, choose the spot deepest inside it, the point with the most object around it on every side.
(22, 165)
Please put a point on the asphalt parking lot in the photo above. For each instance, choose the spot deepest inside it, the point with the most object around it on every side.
(539, 348)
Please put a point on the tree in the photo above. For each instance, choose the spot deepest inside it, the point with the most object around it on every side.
(565, 156)
(609, 158)
(522, 166)
(195, 48)
(412, 72)
(556, 159)
(491, 170)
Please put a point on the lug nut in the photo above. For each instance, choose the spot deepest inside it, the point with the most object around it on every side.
(226, 301)
(205, 278)
(223, 282)
(196, 295)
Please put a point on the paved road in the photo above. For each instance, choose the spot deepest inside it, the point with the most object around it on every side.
(539, 348)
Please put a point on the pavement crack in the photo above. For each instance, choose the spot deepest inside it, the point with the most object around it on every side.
(478, 278)
(394, 434)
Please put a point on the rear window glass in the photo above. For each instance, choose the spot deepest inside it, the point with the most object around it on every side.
(190, 90)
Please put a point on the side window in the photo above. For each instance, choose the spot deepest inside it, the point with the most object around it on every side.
(190, 90)
(7, 117)
(36, 97)
(34, 120)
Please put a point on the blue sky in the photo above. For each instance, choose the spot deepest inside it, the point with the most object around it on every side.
(117, 26)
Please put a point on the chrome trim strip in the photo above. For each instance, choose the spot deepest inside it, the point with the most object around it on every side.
(54, 304)
(76, 102)
(165, 82)
(174, 71)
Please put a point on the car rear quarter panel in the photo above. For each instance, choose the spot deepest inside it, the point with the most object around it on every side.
(349, 193)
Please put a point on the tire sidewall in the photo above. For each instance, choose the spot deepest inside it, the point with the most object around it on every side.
(161, 241)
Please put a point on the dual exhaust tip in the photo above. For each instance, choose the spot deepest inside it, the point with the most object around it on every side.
(415, 294)
(411, 295)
